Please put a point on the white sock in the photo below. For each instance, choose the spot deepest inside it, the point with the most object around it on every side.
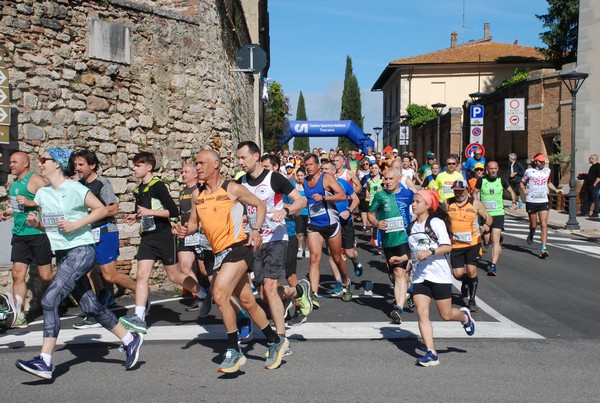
(19, 303)
(47, 358)
(128, 338)
(140, 311)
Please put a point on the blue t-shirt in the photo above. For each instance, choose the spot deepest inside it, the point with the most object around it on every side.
(289, 222)
(343, 205)
(469, 165)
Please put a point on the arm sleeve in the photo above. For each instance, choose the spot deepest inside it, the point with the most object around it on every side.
(504, 183)
(162, 194)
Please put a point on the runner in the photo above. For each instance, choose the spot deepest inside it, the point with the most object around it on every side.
(490, 189)
(534, 185)
(463, 211)
(479, 172)
(340, 171)
(429, 243)
(322, 191)
(444, 180)
(154, 207)
(301, 219)
(374, 185)
(105, 232)
(64, 217)
(269, 259)
(29, 245)
(363, 175)
(219, 210)
(390, 213)
(430, 181)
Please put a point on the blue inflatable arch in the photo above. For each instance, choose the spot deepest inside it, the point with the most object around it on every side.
(330, 128)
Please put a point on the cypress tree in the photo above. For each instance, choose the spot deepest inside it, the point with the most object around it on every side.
(301, 143)
(351, 104)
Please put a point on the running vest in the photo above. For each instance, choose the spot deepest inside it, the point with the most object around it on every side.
(304, 211)
(20, 212)
(395, 209)
(344, 176)
(144, 198)
(221, 218)
(271, 230)
(536, 181)
(444, 182)
(322, 213)
(491, 196)
(185, 203)
(464, 222)
(374, 187)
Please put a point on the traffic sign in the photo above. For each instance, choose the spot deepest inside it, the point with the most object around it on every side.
(4, 98)
(3, 77)
(5, 115)
(514, 114)
(251, 59)
(477, 115)
(476, 134)
(469, 151)
(4, 134)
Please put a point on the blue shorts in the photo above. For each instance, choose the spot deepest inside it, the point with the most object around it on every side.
(107, 249)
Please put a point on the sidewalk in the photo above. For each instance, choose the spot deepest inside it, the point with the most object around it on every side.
(589, 227)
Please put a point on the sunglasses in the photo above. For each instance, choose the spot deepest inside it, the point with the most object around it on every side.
(478, 155)
(44, 159)
(451, 163)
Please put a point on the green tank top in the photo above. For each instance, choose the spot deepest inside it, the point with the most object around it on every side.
(20, 212)
(375, 186)
(491, 196)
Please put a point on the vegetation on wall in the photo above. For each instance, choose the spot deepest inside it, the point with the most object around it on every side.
(420, 115)
(277, 110)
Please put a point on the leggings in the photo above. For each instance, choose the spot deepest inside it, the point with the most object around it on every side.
(71, 278)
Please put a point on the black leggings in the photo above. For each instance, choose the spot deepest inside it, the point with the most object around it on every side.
(71, 278)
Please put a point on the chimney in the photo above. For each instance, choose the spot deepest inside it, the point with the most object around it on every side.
(486, 30)
(453, 38)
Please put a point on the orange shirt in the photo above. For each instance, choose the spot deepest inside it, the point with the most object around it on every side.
(464, 223)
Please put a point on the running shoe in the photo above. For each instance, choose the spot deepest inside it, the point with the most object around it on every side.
(428, 359)
(195, 305)
(254, 289)
(36, 366)
(306, 253)
(134, 323)
(470, 325)
(297, 319)
(358, 268)
(287, 306)
(410, 303)
(421, 350)
(245, 327)
(106, 298)
(299, 254)
(491, 270)
(544, 254)
(520, 204)
(133, 350)
(88, 322)
(287, 352)
(396, 316)
(472, 305)
(276, 353)
(20, 323)
(530, 238)
(315, 300)
(205, 306)
(234, 359)
(337, 290)
(305, 302)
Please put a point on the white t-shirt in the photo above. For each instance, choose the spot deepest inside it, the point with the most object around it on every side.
(434, 268)
(536, 181)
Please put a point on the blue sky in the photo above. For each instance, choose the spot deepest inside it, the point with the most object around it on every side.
(310, 40)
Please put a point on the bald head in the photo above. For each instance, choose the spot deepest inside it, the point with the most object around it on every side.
(19, 163)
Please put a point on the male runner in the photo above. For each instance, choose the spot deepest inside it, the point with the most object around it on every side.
(444, 180)
(341, 172)
(390, 213)
(29, 245)
(534, 185)
(490, 189)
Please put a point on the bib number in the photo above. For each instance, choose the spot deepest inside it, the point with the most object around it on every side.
(192, 240)
(538, 195)
(490, 205)
(219, 259)
(395, 224)
(317, 209)
(464, 237)
(50, 220)
(447, 189)
(15, 206)
(96, 235)
(148, 223)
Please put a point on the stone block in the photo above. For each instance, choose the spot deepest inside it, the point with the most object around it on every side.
(97, 104)
(127, 253)
(33, 132)
(108, 148)
(30, 101)
(75, 104)
(127, 207)
(146, 121)
(85, 118)
(88, 79)
(119, 185)
(99, 133)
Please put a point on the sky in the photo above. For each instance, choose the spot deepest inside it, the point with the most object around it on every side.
(310, 40)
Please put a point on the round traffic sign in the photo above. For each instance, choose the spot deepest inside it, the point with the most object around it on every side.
(514, 120)
(469, 151)
(476, 132)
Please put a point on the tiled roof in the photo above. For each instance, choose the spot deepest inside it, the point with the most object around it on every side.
(491, 52)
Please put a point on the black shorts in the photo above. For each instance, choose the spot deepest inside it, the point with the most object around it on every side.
(533, 208)
(465, 256)
(31, 248)
(435, 291)
(402, 249)
(159, 246)
(328, 231)
(348, 235)
(182, 248)
(301, 222)
(498, 222)
(291, 263)
(269, 261)
(235, 253)
(208, 258)
(363, 206)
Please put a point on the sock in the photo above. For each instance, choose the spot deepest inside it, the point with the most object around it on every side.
(270, 334)
(18, 303)
(47, 358)
(531, 231)
(399, 308)
(543, 247)
(128, 338)
(232, 341)
(473, 282)
(299, 291)
(242, 314)
(140, 311)
(202, 294)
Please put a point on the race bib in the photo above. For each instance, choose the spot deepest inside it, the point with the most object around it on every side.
(394, 224)
(447, 189)
(489, 205)
(414, 251)
(15, 206)
(50, 220)
(96, 235)
(462, 237)
(219, 259)
(203, 241)
(192, 240)
(538, 195)
(148, 223)
(317, 209)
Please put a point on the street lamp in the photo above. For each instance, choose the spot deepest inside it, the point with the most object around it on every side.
(438, 107)
(377, 130)
(476, 96)
(573, 81)
(403, 123)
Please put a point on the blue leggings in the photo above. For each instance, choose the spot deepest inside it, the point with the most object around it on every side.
(71, 278)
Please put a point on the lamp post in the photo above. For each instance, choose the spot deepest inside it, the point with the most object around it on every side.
(377, 130)
(476, 96)
(403, 123)
(573, 81)
(438, 107)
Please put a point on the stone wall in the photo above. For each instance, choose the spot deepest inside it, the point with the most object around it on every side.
(175, 96)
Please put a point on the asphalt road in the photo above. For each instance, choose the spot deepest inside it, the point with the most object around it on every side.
(537, 340)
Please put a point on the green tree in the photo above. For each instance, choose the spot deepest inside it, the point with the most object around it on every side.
(420, 115)
(351, 104)
(277, 110)
(301, 143)
(562, 22)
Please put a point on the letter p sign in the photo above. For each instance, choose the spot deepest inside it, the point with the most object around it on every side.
(476, 111)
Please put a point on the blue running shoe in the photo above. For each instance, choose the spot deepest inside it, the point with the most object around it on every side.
(421, 350)
(491, 270)
(469, 326)
(429, 359)
(234, 359)
(36, 366)
(337, 290)
(276, 353)
(244, 326)
(358, 268)
(133, 350)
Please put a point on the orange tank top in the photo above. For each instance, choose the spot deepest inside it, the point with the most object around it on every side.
(465, 225)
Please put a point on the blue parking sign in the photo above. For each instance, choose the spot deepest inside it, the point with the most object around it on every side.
(476, 111)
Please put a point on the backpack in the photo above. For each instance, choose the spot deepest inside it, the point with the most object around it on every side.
(428, 229)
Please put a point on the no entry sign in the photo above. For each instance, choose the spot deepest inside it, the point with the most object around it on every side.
(469, 151)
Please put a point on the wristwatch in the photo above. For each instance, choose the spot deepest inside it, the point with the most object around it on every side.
(287, 210)
(432, 250)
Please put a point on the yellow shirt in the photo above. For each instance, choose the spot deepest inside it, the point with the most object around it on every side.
(443, 183)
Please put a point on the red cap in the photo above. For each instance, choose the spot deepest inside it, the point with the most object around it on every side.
(388, 149)
(540, 158)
